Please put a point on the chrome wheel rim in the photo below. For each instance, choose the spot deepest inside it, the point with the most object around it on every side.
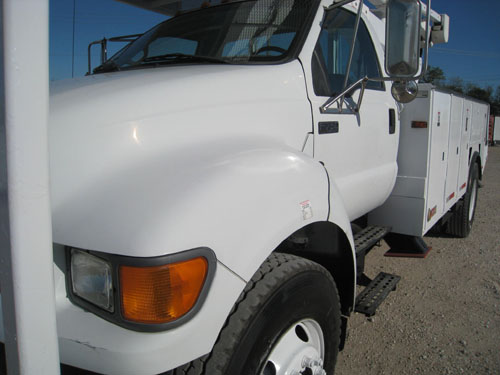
(300, 350)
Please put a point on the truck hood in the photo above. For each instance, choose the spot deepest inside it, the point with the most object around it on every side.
(120, 138)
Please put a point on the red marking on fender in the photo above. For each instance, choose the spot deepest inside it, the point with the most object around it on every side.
(452, 195)
(463, 186)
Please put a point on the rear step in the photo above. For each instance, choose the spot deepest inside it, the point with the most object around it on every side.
(375, 293)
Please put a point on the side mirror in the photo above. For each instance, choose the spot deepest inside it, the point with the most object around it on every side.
(402, 44)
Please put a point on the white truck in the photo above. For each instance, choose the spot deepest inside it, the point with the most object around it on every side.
(216, 183)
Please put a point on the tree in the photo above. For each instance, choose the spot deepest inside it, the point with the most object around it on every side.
(495, 104)
(455, 84)
(479, 93)
(497, 95)
(434, 75)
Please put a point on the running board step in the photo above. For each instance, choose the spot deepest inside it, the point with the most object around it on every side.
(369, 237)
(375, 293)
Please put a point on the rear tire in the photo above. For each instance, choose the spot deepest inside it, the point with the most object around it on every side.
(288, 311)
(461, 221)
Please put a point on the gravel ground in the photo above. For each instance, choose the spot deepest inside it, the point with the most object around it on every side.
(444, 317)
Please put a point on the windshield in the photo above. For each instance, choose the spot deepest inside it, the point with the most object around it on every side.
(261, 31)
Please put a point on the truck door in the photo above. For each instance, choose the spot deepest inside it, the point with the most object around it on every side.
(359, 150)
(438, 156)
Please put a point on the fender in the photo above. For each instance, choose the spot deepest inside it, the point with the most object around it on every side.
(338, 216)
(329, 243)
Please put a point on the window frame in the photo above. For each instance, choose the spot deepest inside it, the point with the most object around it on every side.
(322, 64)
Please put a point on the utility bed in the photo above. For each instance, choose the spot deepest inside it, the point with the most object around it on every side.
(440, 132)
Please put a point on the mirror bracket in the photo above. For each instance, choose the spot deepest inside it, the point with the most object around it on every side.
(340, 99)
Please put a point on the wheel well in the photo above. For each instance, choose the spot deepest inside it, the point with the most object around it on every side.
(327, 244)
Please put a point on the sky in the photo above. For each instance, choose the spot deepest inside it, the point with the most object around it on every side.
(473, 52)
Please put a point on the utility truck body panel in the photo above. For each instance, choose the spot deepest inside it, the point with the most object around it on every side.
(440, 132)
(465, 152)
(479, 135)
(453, 168)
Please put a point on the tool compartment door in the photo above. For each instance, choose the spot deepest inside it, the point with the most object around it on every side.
(479, 129)
(464, 148)
(451, 193)
(438, 157)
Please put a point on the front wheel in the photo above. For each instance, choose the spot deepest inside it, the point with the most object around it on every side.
(286, 321)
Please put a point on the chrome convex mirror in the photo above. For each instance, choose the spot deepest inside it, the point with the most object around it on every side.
(402, 45)
(404, 91)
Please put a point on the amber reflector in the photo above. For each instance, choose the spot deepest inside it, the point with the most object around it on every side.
(419, 124)
(161, 294)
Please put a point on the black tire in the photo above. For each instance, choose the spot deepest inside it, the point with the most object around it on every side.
(461, 221)
(285, 290)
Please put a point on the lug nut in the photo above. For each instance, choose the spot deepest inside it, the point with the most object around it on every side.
(311, 362)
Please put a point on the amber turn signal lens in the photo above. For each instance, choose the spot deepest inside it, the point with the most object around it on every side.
(419, 124)
(161, 294)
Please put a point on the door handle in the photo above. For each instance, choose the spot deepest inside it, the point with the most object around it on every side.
(392, 121)
(328, 127)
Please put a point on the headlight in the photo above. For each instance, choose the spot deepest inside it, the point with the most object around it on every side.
(91, 279)
(147, 294)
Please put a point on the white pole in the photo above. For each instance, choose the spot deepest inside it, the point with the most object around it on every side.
(26, 276)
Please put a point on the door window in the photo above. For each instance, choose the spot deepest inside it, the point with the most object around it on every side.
(331, 55)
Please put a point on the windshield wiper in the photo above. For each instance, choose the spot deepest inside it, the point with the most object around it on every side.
(174, 57)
